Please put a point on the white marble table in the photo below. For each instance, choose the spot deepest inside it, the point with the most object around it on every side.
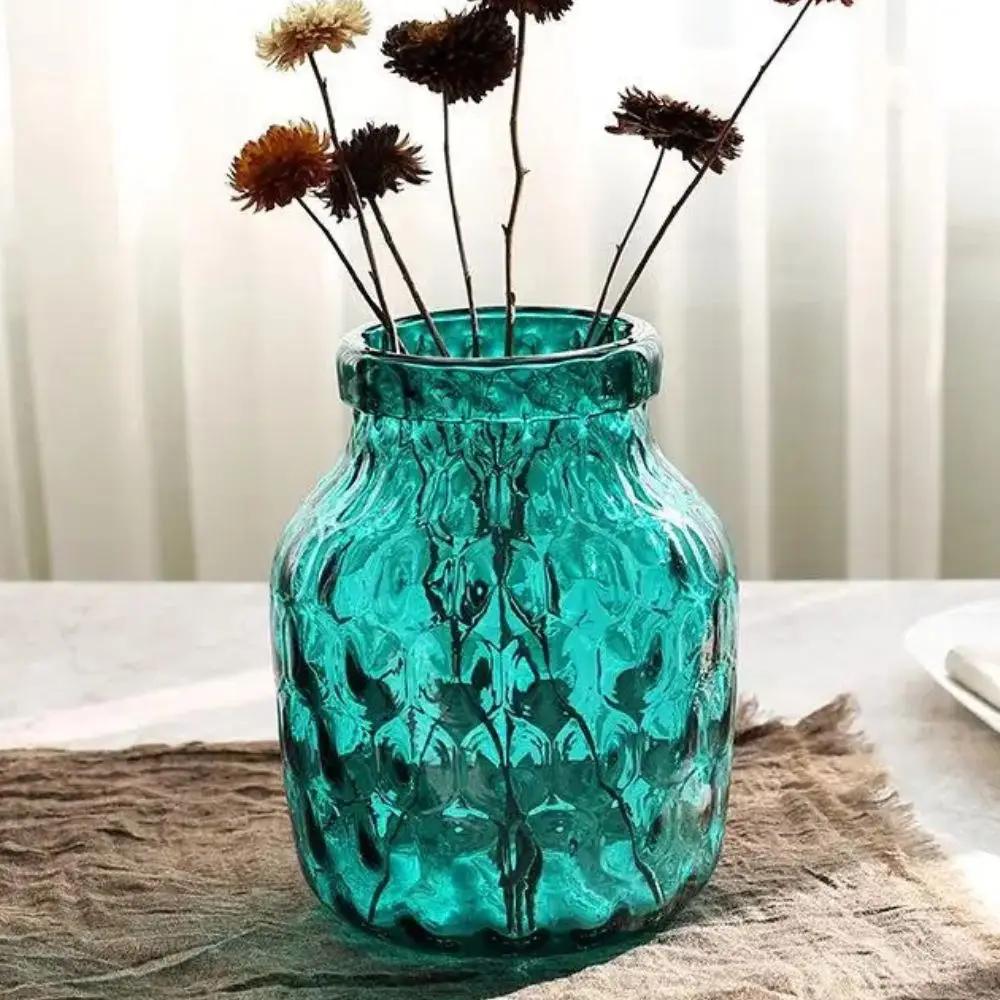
(109, 665)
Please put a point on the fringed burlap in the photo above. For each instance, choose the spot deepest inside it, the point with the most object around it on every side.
(170, 873)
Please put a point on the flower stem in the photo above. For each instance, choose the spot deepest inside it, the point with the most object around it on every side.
(705, 168)
(477, 347)
(345, 260)
(401, 820)
(352, 190)
(620, 249)
(408, 278)
(519, 175)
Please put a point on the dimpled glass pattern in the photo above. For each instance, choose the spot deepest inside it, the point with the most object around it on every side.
(504, 633)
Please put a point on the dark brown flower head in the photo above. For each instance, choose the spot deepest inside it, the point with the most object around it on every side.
(793, 3)
(285, 163)
(670, 124)
(540, 10)
(463, 57)
(381, 159)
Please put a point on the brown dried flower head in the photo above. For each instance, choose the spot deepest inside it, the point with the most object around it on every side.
(464, 56)
(284, 164)
(306, 28)
(793, 3)
(381, 159)
(671, 124)
(540, 10)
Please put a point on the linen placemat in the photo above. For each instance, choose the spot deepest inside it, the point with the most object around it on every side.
(169, 872)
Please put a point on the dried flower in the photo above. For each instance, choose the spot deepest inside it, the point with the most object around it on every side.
(669, 124)
(284, 164)
(793, 3)
(381, 159)
(306, 28)
(540, 10)
(463, 57)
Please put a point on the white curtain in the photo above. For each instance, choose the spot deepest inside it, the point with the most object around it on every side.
(830, 307)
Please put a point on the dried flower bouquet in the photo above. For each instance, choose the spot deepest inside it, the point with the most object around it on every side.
(465, 56)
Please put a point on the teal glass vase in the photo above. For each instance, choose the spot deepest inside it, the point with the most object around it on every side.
(505, 641)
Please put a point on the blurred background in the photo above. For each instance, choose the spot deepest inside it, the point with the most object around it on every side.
(830, 307)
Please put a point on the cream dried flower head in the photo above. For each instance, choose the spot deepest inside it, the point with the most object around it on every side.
(306, 28)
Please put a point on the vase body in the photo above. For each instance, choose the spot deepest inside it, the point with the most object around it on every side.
(505, 641)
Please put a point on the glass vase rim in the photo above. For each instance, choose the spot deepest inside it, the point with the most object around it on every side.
(576, 382)
(641, 333)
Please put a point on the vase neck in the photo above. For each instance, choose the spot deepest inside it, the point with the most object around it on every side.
(497, 445)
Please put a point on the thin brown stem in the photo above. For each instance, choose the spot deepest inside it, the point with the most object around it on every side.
(352, 191)
(477, 348)
(519, 174)
(620, 249)
(709, 162)
(408, 278)
(344, 259)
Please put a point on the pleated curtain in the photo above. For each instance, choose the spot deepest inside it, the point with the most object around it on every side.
(830, 307)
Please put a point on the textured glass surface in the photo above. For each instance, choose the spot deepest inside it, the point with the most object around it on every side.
(504, 633)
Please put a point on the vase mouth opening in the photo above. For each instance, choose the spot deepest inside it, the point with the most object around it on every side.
(541, 334)
(552, 374)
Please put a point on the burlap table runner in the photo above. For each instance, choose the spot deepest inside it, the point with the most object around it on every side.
(169, 872)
